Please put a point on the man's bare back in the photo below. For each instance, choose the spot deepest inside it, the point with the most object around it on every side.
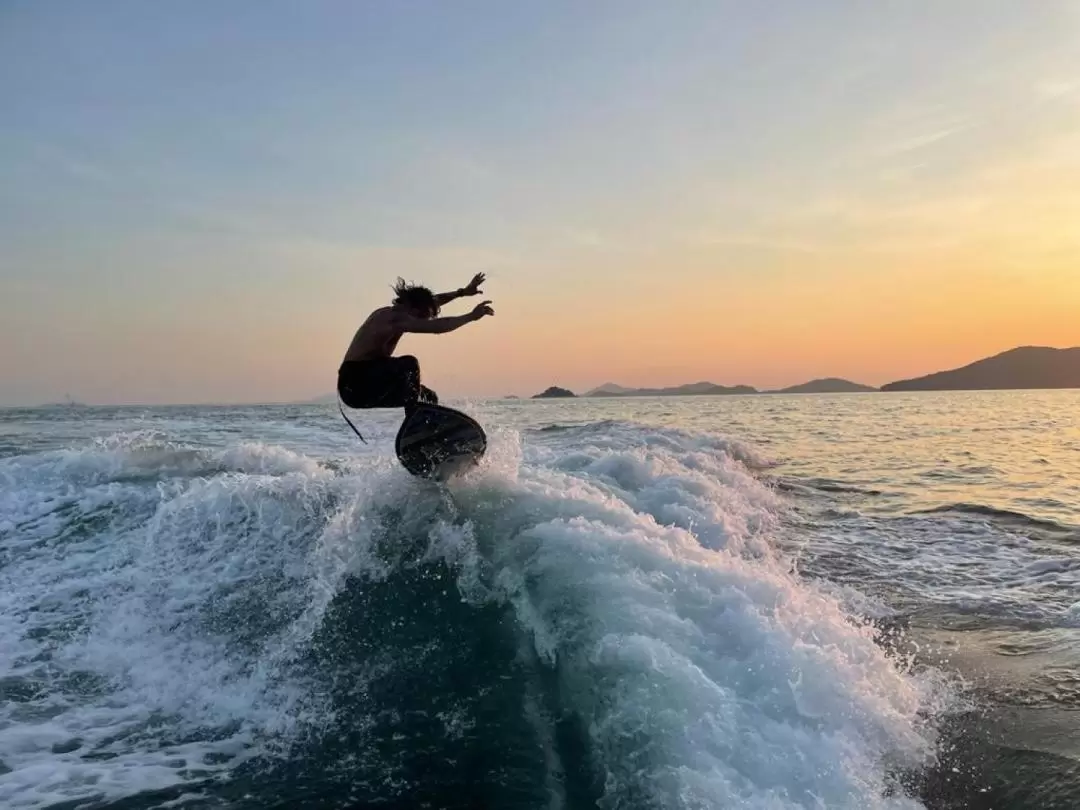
(377, 336)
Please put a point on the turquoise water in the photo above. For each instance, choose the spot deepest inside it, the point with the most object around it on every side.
(847, 601)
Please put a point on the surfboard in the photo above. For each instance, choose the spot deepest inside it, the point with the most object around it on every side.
(438, 442)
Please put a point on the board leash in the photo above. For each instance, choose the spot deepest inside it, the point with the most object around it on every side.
(341, 408)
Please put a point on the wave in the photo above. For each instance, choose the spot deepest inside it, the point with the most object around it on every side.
(599, 622)
(812, 485)
(1005, 516)
(616, 435)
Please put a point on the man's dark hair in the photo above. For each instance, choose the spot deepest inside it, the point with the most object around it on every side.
(415, 296)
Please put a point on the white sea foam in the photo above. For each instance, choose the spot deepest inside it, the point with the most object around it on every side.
(155, 591)
(131, 566)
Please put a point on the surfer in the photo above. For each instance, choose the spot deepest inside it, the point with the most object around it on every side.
(370, 376)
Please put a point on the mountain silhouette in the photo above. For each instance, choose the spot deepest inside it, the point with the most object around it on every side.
(690, 389)
(1024, 367)
(828, 385)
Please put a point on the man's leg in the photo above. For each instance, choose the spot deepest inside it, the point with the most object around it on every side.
(379, 383)
(412, 393)
(354, 386)
(392, 382)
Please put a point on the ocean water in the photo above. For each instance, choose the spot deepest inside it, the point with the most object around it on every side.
(851, 601)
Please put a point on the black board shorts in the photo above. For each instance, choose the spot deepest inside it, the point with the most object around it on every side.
(383, 382)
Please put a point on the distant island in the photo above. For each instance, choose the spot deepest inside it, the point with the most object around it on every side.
(690, 389)
(1025, 367)
(829, 385)
(555, 393)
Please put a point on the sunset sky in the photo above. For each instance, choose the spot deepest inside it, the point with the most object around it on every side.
(200, 201)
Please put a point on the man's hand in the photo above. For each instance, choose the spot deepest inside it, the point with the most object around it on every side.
(474, 286)
(480, 310)
(472, 289)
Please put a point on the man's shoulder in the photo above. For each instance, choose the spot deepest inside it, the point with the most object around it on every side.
(382, 314)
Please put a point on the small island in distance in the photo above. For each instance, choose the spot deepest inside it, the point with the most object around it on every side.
(554, 392)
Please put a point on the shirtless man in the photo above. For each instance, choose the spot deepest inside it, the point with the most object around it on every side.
(370, 377)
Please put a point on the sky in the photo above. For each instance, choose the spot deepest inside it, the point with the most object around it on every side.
(201, 201)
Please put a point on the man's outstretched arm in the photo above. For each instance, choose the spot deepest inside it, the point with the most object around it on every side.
(473, 288)
(439, 326)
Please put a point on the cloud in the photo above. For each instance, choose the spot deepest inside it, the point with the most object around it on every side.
(72, 164)
(1056, 89)
(704, 237)
(923, 140)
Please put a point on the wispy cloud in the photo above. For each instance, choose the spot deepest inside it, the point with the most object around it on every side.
(73, 164)
(748, 240)
(1057, 89)
(923, 140)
